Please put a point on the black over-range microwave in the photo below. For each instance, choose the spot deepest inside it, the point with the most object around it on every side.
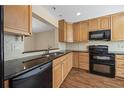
(100, 35)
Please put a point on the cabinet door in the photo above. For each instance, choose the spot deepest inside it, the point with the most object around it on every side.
(57, 76)
(76, 59)
(118, 26)
(84, 31)
(62, 31)
(69, 61)
(18, 19)
(69, 32)
(65, 68)
(84, 61)
(104, 22)
(93, 24)
(76, 28)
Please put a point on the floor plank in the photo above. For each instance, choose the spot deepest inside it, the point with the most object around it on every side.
(78, 78)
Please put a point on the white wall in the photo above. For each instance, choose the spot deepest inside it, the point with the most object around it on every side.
(44, 13)
(40, 40)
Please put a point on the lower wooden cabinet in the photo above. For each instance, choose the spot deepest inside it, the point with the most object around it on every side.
(81, 60)
(84, 61)
(61, 68)
(76, 59)
(57, 75)
(119, 66)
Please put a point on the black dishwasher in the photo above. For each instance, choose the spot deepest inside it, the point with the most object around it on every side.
(40, 77)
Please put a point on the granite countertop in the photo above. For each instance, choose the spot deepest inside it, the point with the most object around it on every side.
(16, 67)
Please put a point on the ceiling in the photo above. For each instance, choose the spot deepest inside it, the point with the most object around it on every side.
(39, 26)
(68, 12)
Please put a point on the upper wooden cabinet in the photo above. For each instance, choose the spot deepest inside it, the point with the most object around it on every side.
(118, 26)
(84, 31)
(93, 24)
(101, 23)
(104, 23)
(69, 33)
(76, 33)
(18, 19)
(62, 31)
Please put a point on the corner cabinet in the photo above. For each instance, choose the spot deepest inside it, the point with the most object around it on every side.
(18, 19)
(118, 26)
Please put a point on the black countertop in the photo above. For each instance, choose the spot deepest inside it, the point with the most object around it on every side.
(16, 67)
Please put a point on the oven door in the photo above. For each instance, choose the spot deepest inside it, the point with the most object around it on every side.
(103, 69)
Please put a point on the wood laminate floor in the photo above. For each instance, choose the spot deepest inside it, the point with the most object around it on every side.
(78, 78)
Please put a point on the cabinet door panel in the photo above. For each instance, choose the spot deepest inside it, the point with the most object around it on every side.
(57, 75)
(17, 19)
(65, 69)
(76, 28)
(62, 31)
(93, 24)
(84, 31)
(118, 26)
(69, 32)
(75, 59)
(104, 23)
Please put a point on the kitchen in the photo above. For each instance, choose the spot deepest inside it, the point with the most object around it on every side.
(72, 52)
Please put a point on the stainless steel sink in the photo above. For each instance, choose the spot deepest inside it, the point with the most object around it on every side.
(54, 54)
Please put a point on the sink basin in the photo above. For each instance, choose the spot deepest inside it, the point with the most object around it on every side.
(53, 54)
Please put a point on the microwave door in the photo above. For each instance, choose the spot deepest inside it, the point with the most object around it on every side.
(96, 36)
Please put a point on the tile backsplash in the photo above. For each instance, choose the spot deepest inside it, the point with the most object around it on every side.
(113, 45)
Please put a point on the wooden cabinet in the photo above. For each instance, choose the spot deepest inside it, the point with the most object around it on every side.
(84, 31)
(93, 24)
(70, 61)
(118, 26)
(61, 68)
(57, 75)
(77, 34)
(18, 19)
(62, 31)
(84, 61)
(76, 59)
(81, 60)
(104, 23)
(119, 66)
(101, 23)
(69, 33)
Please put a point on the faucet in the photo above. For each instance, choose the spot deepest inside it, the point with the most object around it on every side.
(48, 50)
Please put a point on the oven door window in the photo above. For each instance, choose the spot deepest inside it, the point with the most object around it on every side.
(102, 57)
(102, 68)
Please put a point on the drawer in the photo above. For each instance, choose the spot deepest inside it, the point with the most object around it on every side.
(120, 64)
(119, 72)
